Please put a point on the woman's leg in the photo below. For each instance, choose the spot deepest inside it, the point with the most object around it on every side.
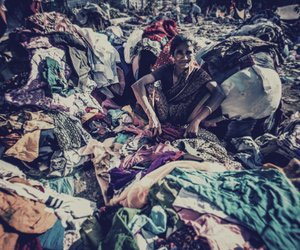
(198, 108)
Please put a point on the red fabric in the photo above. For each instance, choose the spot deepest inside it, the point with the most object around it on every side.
(160, 29)
(164, 57)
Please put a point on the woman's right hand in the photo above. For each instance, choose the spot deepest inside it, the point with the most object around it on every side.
(154, 124)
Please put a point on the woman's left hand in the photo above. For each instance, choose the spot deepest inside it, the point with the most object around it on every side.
(192, 129)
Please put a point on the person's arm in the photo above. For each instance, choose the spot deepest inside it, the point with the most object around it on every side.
(2, 11)
(139, 90)
(216, 98)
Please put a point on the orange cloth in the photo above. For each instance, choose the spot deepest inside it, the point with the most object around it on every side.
(27, 148)
(19, 215)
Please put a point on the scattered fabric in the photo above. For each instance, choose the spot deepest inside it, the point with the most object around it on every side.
(254, 187)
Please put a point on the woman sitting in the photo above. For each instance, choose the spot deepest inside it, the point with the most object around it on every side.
(179, 93)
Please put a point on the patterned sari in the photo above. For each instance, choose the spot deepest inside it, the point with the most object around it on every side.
(183, 96)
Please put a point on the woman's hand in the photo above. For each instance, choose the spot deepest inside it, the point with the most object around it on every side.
(154, 124)
(192, 129)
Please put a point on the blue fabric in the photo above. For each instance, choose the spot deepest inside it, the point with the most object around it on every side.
(262, 200)
(115, 115)
(122, 138)
(53, 239)
(63, 185)
(156, 223)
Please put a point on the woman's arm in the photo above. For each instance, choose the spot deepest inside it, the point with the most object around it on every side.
(139, 90)
(216, 98)
(214, 101)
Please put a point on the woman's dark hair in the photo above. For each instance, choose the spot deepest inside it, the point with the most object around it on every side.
(146, 61)
(177, 41)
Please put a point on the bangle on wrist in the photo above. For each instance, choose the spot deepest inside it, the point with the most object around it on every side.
(209, 109)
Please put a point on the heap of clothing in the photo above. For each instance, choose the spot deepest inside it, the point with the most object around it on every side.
(93, 16)
(160, 192)
(36, 217)
(269, 27)
(191, 205)
(46, 99)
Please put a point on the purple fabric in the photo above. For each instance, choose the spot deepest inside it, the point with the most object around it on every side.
(170, 133)
(147, 154)
(119, 178)
(163, 159)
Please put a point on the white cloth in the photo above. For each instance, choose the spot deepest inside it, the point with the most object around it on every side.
(188, 200)
(77, 103)
(132, 41)
(254, 92)
(196, 9)
(102, 57)
(8, 171)
(288, 12)
(116, 30)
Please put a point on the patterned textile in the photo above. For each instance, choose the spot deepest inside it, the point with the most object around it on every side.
(48, 22)
(265, 30)
(156, 37)
(164, 57)
(206, 147)
(184, 238)
(69, 132)
(183, 97)
(286, 143)
(35, 91)
(160, 29)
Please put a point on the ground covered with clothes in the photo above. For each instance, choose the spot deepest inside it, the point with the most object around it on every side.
(80, 169)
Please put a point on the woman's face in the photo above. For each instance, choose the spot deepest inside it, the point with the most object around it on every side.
(183, 55)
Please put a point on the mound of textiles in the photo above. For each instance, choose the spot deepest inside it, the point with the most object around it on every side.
(267, 26)
(159, 192)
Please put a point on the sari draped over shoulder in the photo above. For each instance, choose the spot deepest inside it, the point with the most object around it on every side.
(176, 104)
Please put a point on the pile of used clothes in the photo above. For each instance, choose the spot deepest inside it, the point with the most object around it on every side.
(57, 120)
(93, 16)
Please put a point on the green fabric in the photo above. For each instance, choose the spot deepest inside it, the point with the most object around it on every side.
(155, 223)
(262, 200)
(163, 193)
(109, 231)
(64, 185)
(122, 138)
(119, 236)
(80, 65)
(54, 76)
(91, 233)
